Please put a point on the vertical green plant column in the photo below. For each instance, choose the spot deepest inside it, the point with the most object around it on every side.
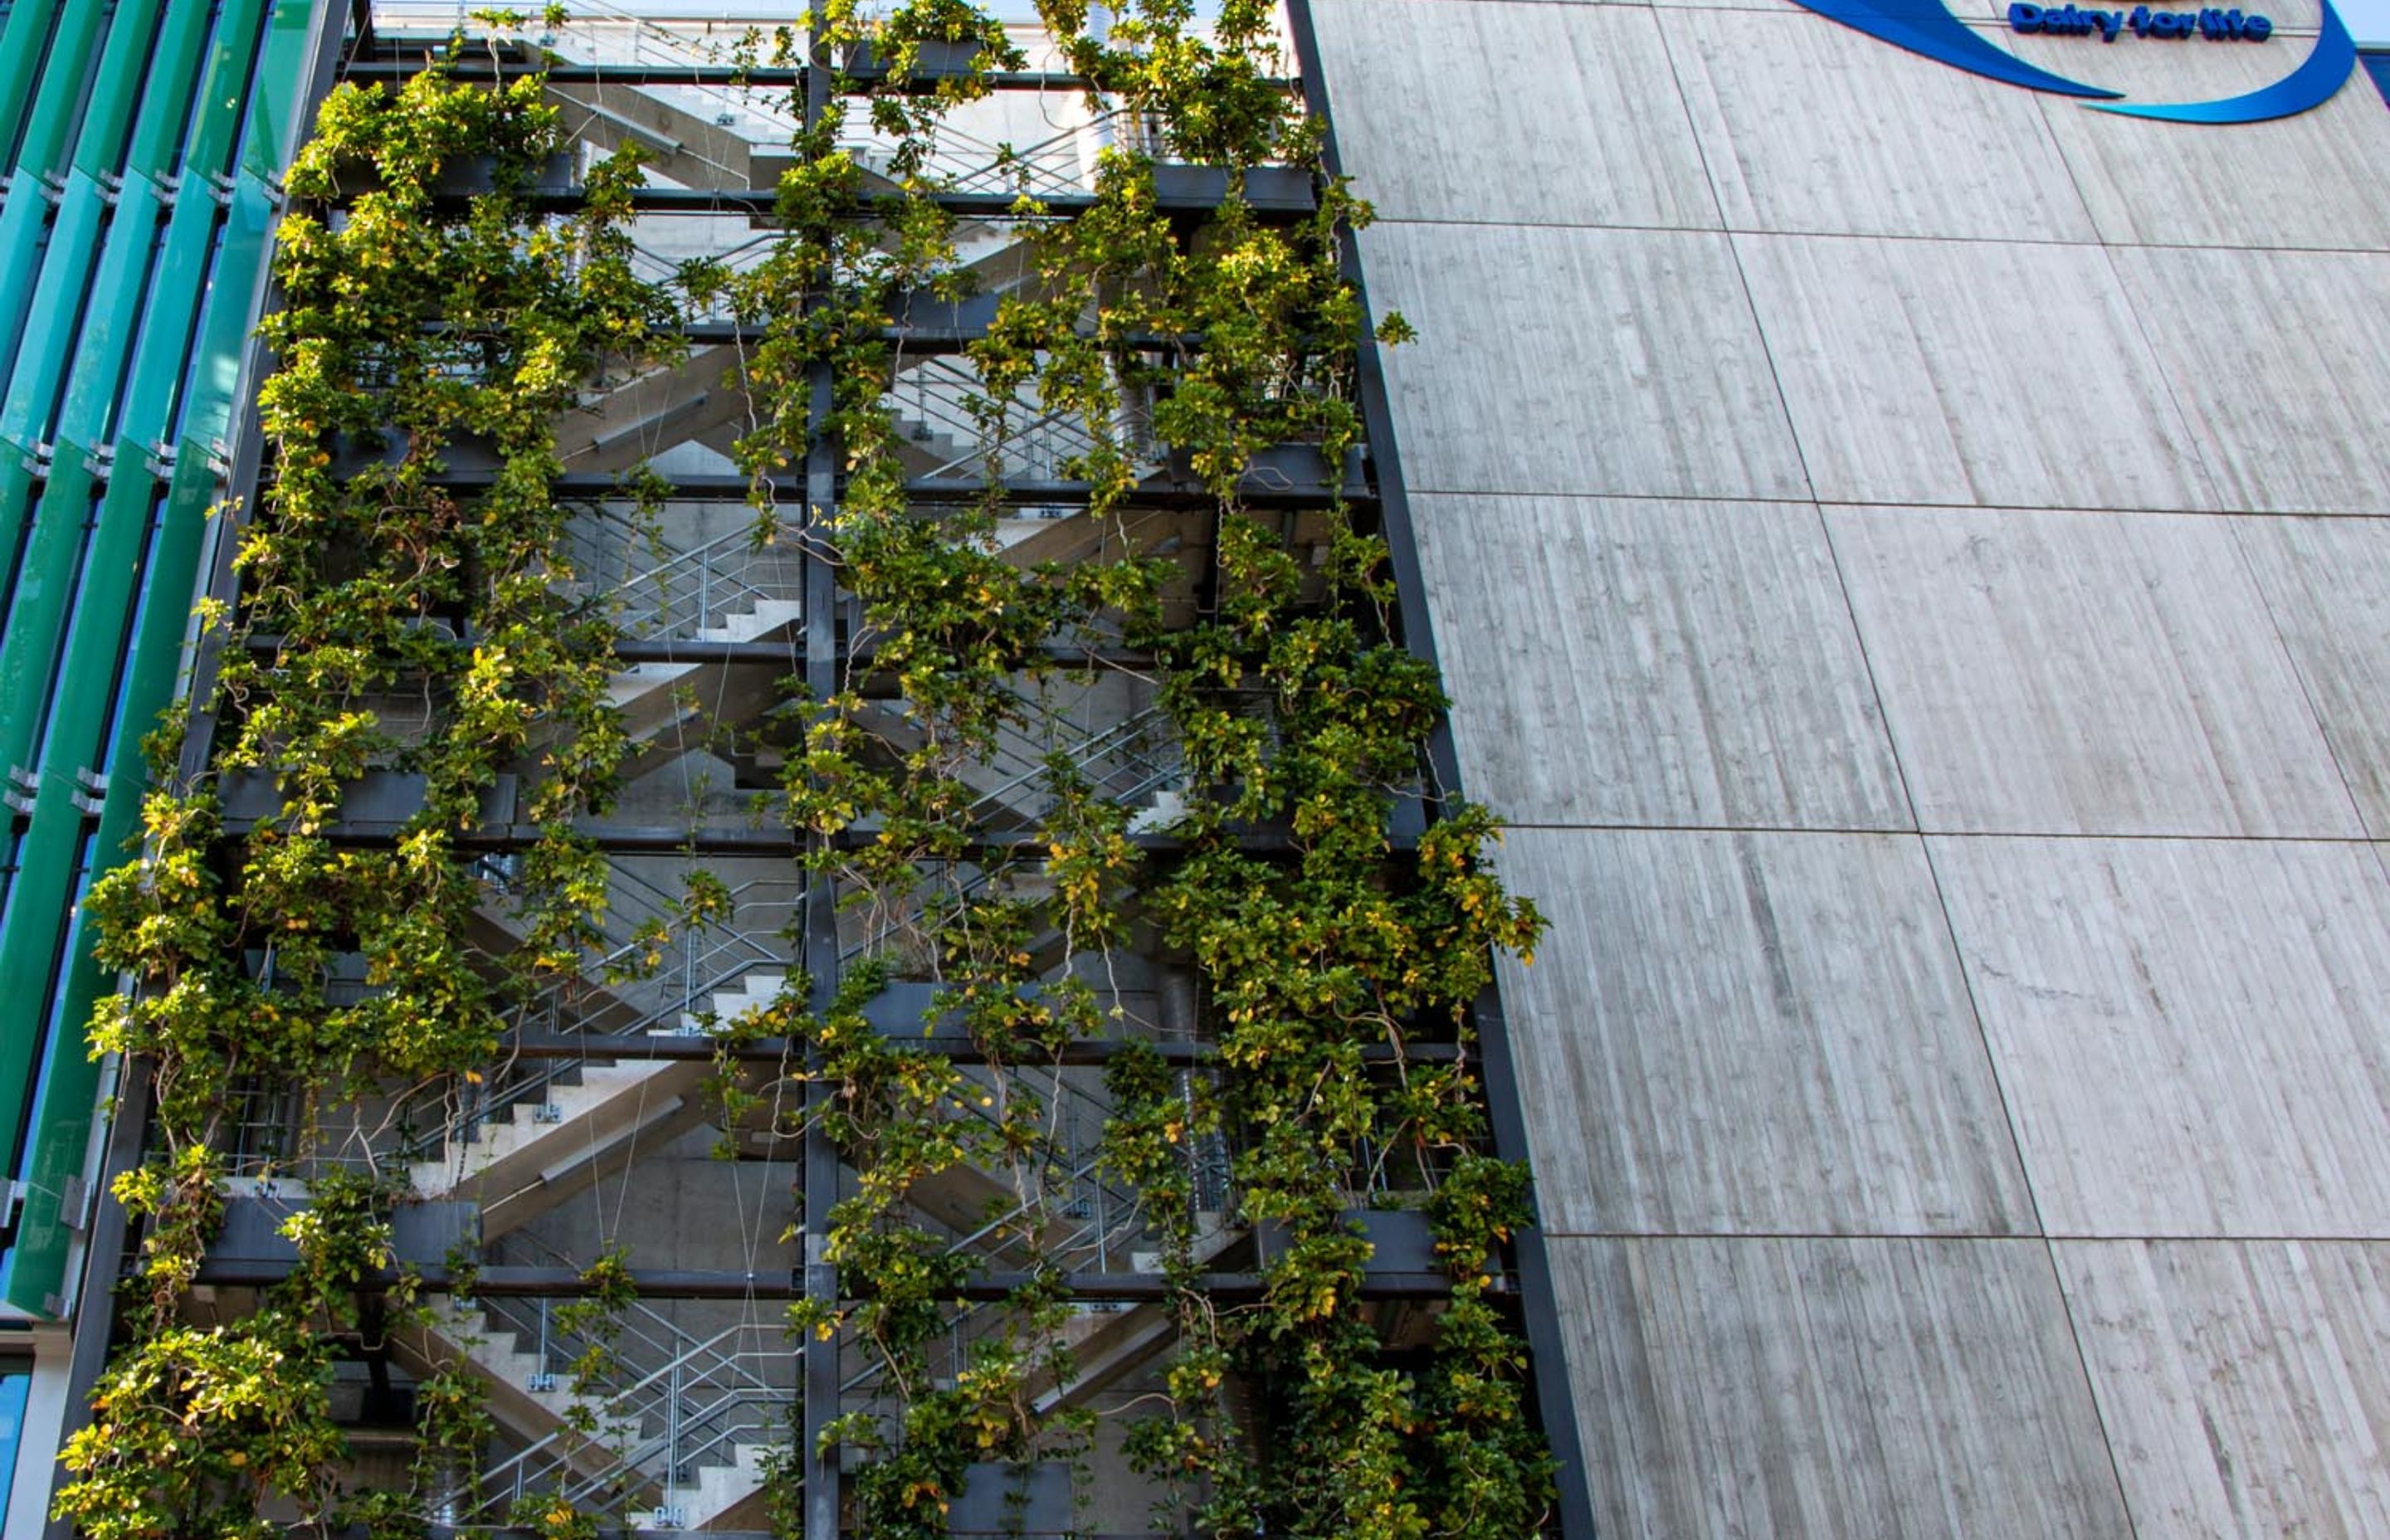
(1326, 951)
(435, 324)
(1329, 951)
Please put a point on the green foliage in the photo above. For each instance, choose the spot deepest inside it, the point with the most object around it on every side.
(417, 326)
(1328, 950)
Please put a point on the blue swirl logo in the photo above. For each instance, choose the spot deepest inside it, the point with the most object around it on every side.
(1927, 26)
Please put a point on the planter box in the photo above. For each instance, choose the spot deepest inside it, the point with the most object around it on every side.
(423, 1234)
(1400, 1240)
(1012, 1500)
(1275, 189)
(1282, 468)
(378, 803)
(932, 61)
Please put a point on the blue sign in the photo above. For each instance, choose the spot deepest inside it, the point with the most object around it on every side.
(1927, 26)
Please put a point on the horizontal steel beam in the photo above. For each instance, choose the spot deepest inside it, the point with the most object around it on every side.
(791, 654)
(1273, 193)
(1079, 1053)
(1258, 490)
(666, 839)
(478, 68)
(693, 1284)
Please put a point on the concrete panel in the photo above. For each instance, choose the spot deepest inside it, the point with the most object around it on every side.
(1752, 1033)
(2282, 361)
(1928, 371)
(1799, 1389)
(1579, 361)
(1438, 121)
(2245, 1386)
(2187, 1032)
(1650, 662)
(1808, 127)
(2150, 184)
(2071, 673)
(2327, 583)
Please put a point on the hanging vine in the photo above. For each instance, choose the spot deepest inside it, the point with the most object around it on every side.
(387, 623)
(1337, 962)
(1302, 719)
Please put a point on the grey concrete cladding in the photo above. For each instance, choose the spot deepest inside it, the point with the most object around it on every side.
(1908, 552)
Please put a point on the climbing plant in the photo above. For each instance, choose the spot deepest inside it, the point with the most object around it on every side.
(1326, 956)
(387, 623)
(1336, 907)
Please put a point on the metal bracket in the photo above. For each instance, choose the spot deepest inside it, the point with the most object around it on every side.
(91, 790)
(74, 1203)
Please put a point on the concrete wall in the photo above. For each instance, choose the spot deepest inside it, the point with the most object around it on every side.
(1910, 555)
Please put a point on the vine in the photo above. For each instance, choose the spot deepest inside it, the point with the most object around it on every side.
(390, 624)
(1301, 718)
(1336, 963)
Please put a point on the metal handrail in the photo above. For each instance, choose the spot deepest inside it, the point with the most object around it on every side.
(710, 962)
(666, 1391)
(716, 574)
(940, 402)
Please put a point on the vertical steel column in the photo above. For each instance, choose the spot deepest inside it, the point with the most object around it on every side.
(1545, 1344)
(820, 951)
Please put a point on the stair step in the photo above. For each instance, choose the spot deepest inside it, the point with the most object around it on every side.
(766, 617)
(705, 1502)
(612, 1100)
(755, 992)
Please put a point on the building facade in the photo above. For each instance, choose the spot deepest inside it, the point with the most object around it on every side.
(1902, 548)
(1907, 550)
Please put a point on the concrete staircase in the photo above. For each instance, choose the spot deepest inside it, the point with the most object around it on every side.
(586, 1123)
(607, 1442)
(653, 697)
(1105, 1345)
(564, 1134)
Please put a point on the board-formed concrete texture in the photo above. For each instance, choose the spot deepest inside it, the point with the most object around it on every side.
(1946, 371)
(2245, 1387)
(1780, 1389)
(2288, 414)
(1716, 1062)
(1907, 550)
(1612, 108)
(1848, 173)
(2189, 1031)
(1707, 669)
(1547, 363)
(2060, 673)
(2326, 584)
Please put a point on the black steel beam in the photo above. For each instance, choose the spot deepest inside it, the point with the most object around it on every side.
(665, 840)
(790, 654)
(1260, 490)
(476, 70)
(1267, 199)
(820, 1180)
(1081, 1053)
(503, 1282)
(398, 68)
